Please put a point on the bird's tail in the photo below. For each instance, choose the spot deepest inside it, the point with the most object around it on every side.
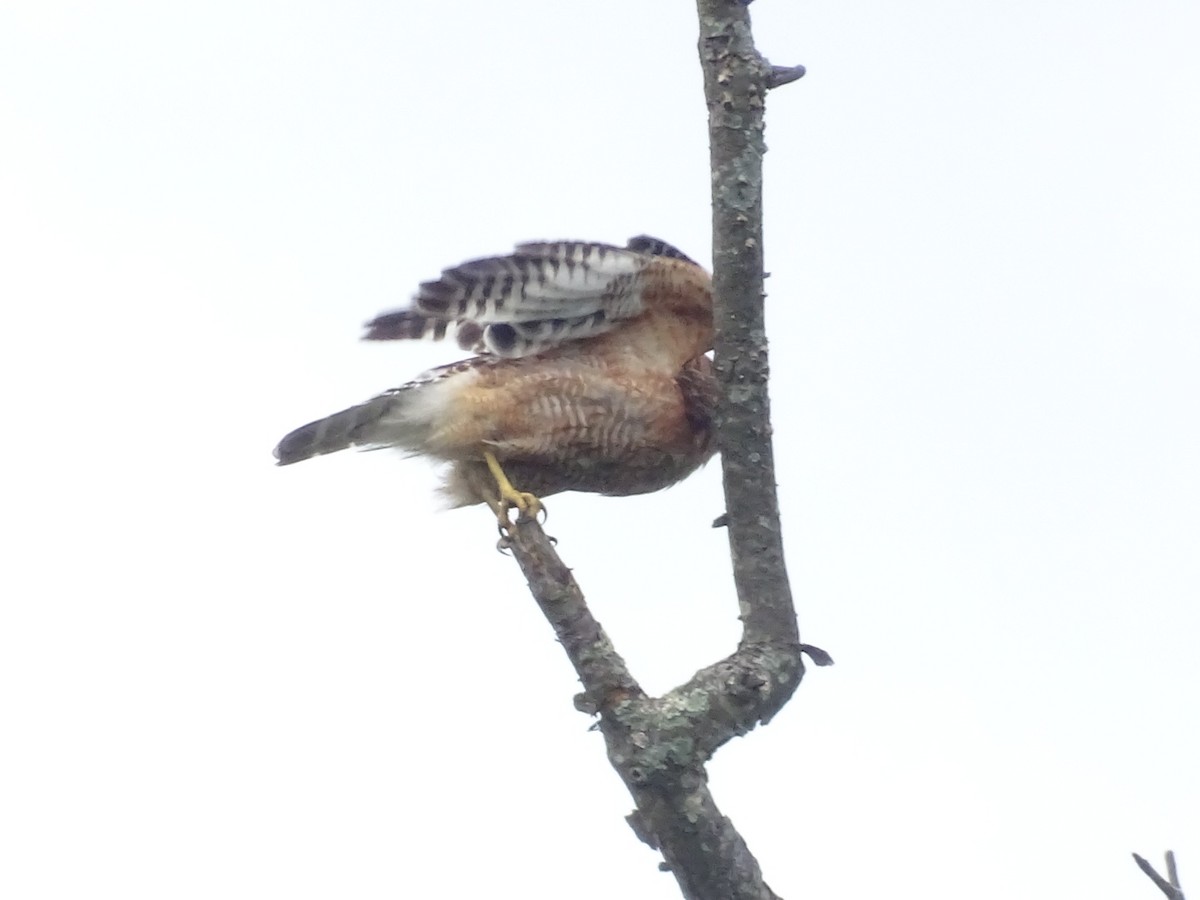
(373, 423)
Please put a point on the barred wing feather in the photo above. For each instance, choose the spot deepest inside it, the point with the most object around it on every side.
(539, 296)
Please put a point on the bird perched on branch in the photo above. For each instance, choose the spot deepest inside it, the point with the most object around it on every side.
(590, 374)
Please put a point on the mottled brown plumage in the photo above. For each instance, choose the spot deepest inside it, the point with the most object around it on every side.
(591, 373)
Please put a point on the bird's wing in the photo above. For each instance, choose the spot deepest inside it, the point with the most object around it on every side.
(542, 295)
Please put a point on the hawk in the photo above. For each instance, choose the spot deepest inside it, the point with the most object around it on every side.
(589, 374)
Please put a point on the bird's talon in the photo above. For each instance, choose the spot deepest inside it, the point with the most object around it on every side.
(528, 507)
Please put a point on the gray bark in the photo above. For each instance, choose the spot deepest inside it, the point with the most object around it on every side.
(659, 745)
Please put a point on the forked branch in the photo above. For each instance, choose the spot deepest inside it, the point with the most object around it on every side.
(1168, 885)
(659, 745)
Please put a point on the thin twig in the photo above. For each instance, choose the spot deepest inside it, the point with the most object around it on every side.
(781, 75)
(1172, 871)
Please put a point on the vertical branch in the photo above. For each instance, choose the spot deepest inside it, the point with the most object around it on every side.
(736, 80)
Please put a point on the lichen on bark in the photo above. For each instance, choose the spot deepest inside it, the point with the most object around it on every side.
(659, 746)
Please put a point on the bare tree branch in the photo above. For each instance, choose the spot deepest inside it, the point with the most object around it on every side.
(1169, 885)
(659, 746)
(735, 85)
(603, 673)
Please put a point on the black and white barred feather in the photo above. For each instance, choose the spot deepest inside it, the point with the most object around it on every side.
(544, 294)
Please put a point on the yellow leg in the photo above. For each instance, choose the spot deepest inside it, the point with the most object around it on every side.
(527, 505)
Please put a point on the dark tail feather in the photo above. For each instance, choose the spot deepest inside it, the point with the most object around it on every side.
(405, 325)
(350, 427)
(408, 325)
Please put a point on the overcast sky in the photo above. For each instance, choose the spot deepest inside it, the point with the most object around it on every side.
(223, 679)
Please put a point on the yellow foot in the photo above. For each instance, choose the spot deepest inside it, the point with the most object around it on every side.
(527, 505)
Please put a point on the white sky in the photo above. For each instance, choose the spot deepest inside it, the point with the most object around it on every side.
(222, 679)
